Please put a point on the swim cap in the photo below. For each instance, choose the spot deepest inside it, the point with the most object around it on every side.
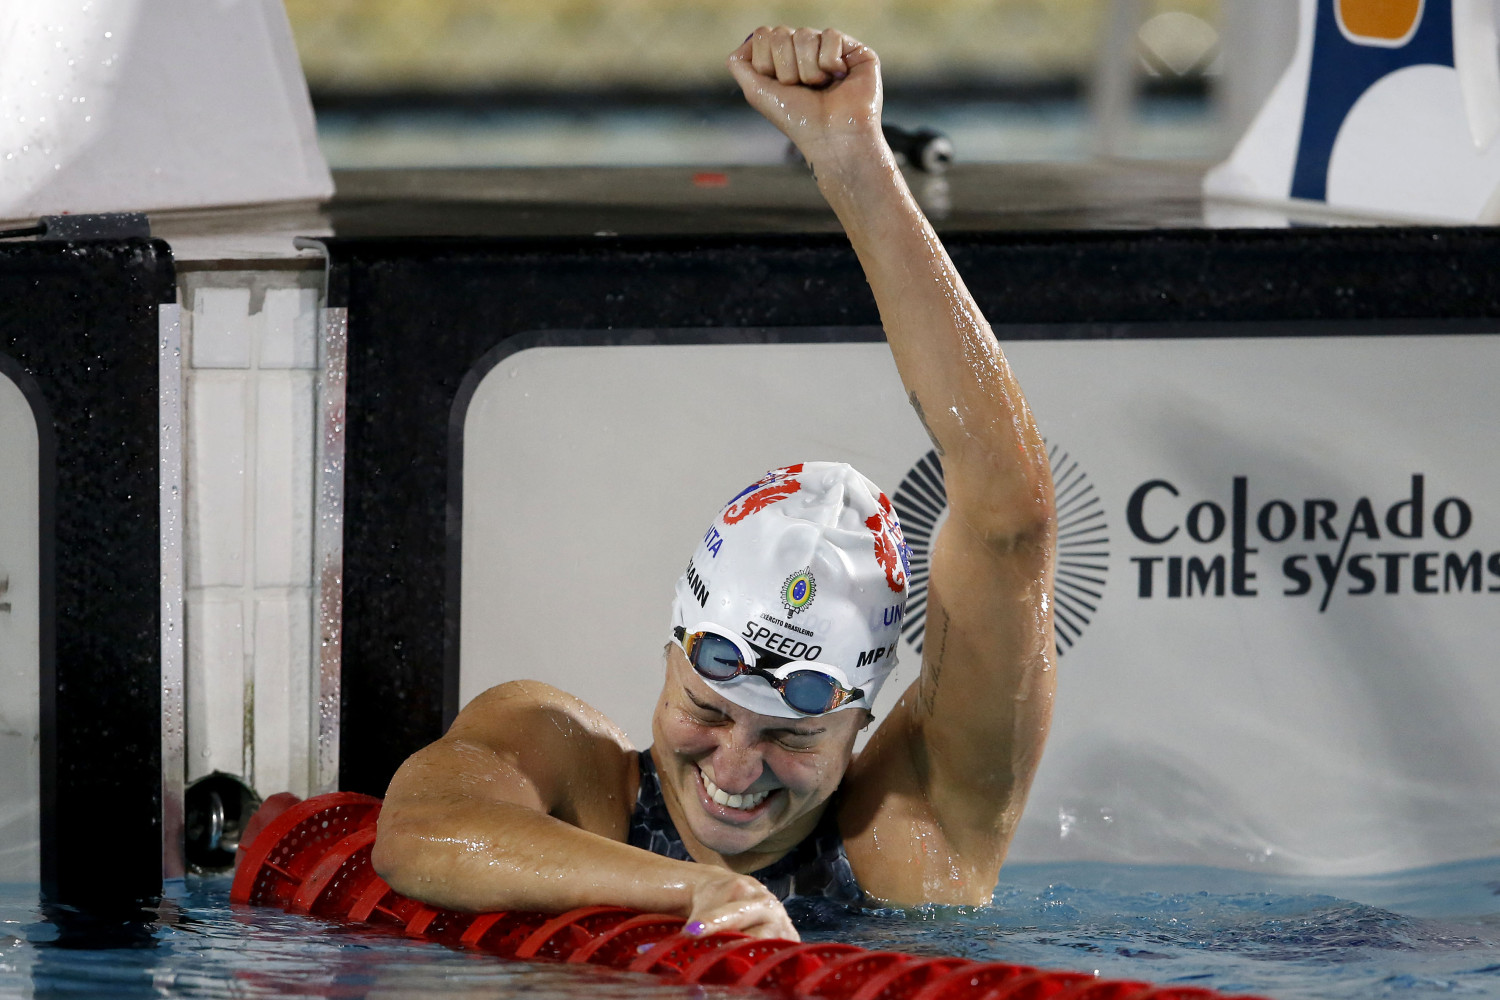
(806, 564)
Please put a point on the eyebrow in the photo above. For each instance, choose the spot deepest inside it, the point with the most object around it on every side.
(779, 729)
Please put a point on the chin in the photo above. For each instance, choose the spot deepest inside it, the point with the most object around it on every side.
(725, 839)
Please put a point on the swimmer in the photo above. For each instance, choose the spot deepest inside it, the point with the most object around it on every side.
(784, 626)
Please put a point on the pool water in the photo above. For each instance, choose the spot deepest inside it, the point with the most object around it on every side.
(1433, 931)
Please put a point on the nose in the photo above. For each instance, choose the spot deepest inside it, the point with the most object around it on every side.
(737, 763)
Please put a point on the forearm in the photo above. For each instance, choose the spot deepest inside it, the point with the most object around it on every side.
(954, 370)
(482, 856)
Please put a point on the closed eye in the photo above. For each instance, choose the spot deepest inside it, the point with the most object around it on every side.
(713, 714)
(796, 739)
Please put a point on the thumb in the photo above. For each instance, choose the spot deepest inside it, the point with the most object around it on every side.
(740, 68)
(859, 57)
(756, 86)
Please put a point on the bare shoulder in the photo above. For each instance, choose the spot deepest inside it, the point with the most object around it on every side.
(898, 849)
(531, 744)
(943, 780)
(531, 711)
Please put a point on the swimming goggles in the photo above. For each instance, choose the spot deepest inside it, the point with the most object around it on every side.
(806, 690)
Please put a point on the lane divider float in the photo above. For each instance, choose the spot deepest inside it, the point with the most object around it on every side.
(313, 857)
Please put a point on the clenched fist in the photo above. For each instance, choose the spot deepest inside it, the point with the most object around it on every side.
(821, 88)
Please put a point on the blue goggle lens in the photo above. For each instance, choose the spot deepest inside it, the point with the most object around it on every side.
(809, 692)
(716, 657)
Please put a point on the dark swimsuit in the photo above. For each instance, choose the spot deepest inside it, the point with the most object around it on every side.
(815, 868)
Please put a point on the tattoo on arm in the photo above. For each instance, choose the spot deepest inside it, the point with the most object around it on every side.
(916, 404)
(932, 669)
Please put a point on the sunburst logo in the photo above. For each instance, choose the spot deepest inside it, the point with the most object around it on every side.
(921, 502)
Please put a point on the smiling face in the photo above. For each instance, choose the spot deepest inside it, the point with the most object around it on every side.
(739, 784)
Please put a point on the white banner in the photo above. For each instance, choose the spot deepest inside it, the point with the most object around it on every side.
(1278, 570)
(20, 656)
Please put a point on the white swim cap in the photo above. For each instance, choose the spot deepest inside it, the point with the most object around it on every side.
(807, 564)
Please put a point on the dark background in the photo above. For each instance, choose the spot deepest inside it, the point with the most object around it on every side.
(78, 333)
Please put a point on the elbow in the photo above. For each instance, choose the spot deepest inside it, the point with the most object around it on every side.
(1032, 527)
(413, 852)
(1021, 532)
(395, 856)
(1012, 512)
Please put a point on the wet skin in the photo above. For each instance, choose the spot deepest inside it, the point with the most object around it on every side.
(526, 803)
(798, 763)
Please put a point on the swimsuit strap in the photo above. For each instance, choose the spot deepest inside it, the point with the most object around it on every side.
(817, 867)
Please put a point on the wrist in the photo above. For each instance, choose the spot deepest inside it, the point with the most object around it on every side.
(849, 152)
(858, 180)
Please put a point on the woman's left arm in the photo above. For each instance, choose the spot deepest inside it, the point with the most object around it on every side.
(944, 777)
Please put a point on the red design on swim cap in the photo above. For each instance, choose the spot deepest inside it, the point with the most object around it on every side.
(888, 540)
(775, 485)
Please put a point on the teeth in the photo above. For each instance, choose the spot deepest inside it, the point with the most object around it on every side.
(748, 800)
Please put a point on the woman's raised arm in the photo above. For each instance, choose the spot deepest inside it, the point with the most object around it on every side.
(949, 770)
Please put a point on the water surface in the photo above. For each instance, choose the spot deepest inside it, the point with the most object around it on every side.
(1428, 932)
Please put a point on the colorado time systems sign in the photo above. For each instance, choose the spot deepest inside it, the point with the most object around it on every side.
(1237, 542)
(1241, 542)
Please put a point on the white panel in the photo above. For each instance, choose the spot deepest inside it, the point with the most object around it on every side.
(142, 105)
(288, 331)
(283, 653)
(1235, 730)
(217, 647)
(1434, 170)
(216, 478)
(222, 328)
(20, 636)
(1263, 730)
(283, 479)
(1418, 143)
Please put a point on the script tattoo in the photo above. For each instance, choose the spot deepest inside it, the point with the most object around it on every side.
(932, 668)
(916, 404)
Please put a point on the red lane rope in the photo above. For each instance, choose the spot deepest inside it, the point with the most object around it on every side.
(313, 857)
